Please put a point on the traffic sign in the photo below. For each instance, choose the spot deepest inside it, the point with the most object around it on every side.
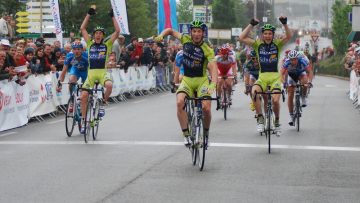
(23, 25)
(23, 19)
(22, 30)
(22, 13)
(315, 37)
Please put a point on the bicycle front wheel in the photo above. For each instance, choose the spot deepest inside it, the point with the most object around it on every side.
(88, 120)
(268, 130)
(96, 120)
(193, 148)
(70, 117)
(225, 103)
(297, 113)
(201, 146)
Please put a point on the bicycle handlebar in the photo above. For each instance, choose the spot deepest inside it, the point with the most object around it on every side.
(268, 92)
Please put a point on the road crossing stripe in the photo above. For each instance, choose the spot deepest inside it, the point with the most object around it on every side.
(154, 143)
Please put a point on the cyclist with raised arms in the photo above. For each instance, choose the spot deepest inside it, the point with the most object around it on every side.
(197, 57)
(98, 52)
(226, 64)
(268, 52)
(297, 69)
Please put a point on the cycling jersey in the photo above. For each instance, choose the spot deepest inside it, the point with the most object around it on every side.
(98, 57)
(296, 71)
(195, 61)
(196, 57)
(268, 54)
(225, 65)
(178, 61)
(98, 54)
(77, 66)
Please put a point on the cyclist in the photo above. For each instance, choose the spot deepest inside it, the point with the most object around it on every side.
(226, 64)
(198, 57)
(268, 53)
(296, 68)
(98, 52)
(179, 69)
(251, 74)
(77, 65)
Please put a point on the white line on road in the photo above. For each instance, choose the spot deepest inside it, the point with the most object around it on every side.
(136, 102)
(165, 95)
(57, 121)
(7, 134)
(330, 86)
(153, 143)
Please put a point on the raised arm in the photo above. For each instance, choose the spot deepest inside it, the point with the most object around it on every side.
(114, 35)
(85, 23)
(243, 37)
(166, 32)
(288, 34)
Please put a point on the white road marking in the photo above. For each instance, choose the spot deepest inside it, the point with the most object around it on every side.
(153, 143)
(7, 134)
(57, 121)
(330, 86)
(136, 102)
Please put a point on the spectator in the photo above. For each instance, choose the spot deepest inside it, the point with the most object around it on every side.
(147, 57)
(20, 60)
(67, 47)
(57, 44)
(125, 58)
(118, 45)
(11, 27)
(9, 61)
(29, 55)
(58, 59)
(49, 64)
(39, 61)
(4, 31)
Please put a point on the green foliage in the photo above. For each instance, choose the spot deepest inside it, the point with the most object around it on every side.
(185, 11)
(224, 14)
(140, 24)
(341, 25)
(333, 66)
(11, 7)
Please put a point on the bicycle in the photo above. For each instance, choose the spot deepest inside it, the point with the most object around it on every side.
(269, 116)
(73, 113)
(92, 115)
(225, 101)
(297, 108)
(199, 143)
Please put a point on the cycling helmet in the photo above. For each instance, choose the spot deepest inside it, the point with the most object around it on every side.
(293, 54)
(252, 53)
(76, 45)
(99, 28)
(197, 24)
(224, 50)
(268, 27)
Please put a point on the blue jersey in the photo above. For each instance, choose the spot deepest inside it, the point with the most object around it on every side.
(80, 64)
(179, 60)
(298, 69)
(71, 54)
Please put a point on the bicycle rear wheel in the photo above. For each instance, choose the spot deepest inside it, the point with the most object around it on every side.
(70, 117)
(88, 120)
(96, 120)
(201, 146)
(225, 103)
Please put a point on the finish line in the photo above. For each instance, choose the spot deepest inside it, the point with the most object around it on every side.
(154, 143)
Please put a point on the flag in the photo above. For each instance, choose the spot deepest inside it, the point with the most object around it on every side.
(54, 4)
(167, 17)
(120, 14)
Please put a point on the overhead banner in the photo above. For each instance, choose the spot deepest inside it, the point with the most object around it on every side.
(120, 14)
(57, 23)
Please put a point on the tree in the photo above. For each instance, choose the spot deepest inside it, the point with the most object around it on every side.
(11, 7)
(341, 26)
(185, 11)
(224, 14)
(140, 24)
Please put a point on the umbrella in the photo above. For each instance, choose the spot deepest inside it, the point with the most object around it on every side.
(354, 36)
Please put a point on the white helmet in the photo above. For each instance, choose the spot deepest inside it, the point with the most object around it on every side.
(293, 54)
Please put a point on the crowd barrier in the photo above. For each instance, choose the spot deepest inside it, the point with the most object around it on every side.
(38, 97)
(354, 89)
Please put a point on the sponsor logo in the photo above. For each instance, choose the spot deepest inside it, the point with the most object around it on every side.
(4, 100)
(49, 94)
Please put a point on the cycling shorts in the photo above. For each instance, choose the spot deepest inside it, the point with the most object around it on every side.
(100, 75)
(225, 71)
(190, 85)
(272, 79)
(78, 74)
(294, 78)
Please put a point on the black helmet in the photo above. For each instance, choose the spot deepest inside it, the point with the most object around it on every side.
(198, 24)
(99, 28)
